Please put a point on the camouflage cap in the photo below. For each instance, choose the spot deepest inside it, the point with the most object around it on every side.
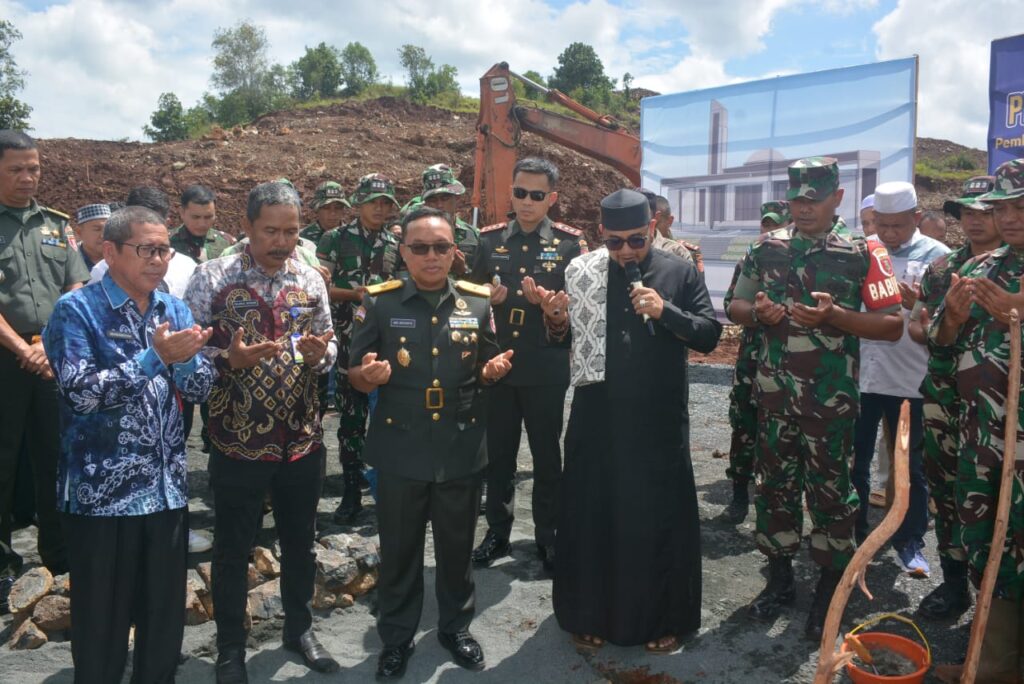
(777, 211)
(1009, 182)
(973, 188)
(439, 179)
(328, 192)
(371, 186)
(813, 178)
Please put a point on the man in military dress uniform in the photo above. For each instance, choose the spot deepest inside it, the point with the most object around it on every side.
(428, 344)
(39, 261)
(941, 405)
(530, 249)
(329, 205)
(196, 237)
(742, 409)
(357, 254)
(802, 289)
(971, 325)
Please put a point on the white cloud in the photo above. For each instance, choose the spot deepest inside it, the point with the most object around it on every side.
(952, 40)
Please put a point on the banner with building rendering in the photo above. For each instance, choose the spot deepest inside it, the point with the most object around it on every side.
(717, 154)
(1006, 101)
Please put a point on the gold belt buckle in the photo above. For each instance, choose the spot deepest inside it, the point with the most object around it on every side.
(435, 398)
(517, 316)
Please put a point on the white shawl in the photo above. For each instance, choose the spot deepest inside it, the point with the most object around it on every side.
(586, 283)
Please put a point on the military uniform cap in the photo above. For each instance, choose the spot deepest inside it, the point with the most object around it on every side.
(973, 189)
(371, 186)
(439, 179)
(625, 210)
(329, 192)
(813, 178)
(777, 211)
(1009, 182)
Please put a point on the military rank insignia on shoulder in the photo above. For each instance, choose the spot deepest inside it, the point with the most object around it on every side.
(59, 214)
(494, 227)
(575, 232)
(472, 288)
(386, 286)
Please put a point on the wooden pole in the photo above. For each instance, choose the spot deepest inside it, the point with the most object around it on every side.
(829, 661)
(995, 550)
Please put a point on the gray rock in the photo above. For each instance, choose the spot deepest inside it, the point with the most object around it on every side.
(254, 577)
(265, 600)
(30, 589)
(265, 563)
(205, 572)
(195, 611)
(334, 570)
(62, 585)
(337, 542)
(52, 613)
(366, 553)
(27, 636)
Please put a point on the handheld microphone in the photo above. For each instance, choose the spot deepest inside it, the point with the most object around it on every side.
(635, 280)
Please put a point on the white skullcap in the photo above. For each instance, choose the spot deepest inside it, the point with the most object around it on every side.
(867, 203)
(895, 197)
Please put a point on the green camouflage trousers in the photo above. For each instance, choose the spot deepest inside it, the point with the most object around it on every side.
(743, 411)
(797, 455)
(353, 407)
(941, 439)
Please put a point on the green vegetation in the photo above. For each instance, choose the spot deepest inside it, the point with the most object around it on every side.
(959, 167)
(13, 112)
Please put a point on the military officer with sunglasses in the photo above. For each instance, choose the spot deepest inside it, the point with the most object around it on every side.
(513, 258)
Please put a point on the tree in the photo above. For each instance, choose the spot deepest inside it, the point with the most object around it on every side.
(581, 73)
(13, 112)
(425, 81)
(627, 82)
(168, 120)
(318, 72)
(358, 69)
(242, 72)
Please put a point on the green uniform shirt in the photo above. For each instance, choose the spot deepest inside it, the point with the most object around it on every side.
(39, 260)
(313, 232)
(201, 249)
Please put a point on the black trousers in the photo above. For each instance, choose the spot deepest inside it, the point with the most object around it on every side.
(403, 508)
(127, 570)
(541, 408)
(29, 419)
(238, 492)
(188, 416)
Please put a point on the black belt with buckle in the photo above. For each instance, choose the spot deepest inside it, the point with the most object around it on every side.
(434, 398)
(517, 316)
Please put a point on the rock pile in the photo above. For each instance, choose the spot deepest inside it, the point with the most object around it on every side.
(346, 568)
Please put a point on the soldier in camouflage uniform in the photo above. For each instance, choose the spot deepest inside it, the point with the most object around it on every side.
(329, 205)
(742, 409)
(941, 403)
(802, 289)
(971, 324)
(358, 254)
(196, 237)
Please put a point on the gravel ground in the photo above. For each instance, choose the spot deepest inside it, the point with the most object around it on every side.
(514, 621)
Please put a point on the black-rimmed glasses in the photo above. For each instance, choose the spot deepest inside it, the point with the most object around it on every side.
(149, 251)
(535, 195)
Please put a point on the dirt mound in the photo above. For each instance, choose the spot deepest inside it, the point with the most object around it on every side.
(308, 146)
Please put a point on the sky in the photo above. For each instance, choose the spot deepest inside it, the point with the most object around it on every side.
(97, 67)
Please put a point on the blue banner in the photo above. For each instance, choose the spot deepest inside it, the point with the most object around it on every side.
(1006, 101)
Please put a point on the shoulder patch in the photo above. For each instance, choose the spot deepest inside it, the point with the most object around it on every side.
(496, 226)
(567, 229)
(53, 211)
(386, 286)
(473, 288)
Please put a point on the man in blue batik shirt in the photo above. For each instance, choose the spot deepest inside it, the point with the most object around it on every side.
(125, 356)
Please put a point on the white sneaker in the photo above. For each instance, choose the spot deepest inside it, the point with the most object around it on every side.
(197, 543)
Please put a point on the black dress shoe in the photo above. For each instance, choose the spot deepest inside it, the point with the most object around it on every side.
(464, 649)
(547, 558)
(230, 667)
(393, 659)
(491, 548)
(314, 655)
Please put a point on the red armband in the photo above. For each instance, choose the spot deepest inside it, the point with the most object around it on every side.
(880, 290)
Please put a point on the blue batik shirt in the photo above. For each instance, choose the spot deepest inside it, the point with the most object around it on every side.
(122, 443)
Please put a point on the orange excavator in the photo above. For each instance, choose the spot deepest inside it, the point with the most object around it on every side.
(500, 126)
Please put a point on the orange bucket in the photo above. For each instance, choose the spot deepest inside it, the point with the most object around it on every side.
(911, 650)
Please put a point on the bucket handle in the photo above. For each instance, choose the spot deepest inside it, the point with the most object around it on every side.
(894, 616)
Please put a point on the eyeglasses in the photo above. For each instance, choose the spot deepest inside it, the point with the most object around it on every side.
(149, 251)
(421, 248)
(635, 241)
(535, 195)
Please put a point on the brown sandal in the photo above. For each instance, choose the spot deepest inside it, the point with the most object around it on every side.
(662, 646)
(587, 642)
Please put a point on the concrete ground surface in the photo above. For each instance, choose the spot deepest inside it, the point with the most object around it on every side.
(514, 621)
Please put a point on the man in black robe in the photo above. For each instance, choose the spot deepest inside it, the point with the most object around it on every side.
(628, 544)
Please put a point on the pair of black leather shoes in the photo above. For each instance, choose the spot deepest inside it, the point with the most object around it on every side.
(465, 650)
(393, 659)
(230, 667)
(314, 655)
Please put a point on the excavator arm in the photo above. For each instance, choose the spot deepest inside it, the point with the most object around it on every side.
(499, 129)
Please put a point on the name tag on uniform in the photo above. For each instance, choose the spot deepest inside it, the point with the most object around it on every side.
(118, 335)
(464, 323)
(501, 255)
(243, 304)
(403, 322)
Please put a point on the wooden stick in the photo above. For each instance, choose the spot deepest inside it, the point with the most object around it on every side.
(829, 661)
(995, 550)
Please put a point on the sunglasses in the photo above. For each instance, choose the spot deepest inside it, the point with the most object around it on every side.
(421, 248)
(635, 241)
(535, 195)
